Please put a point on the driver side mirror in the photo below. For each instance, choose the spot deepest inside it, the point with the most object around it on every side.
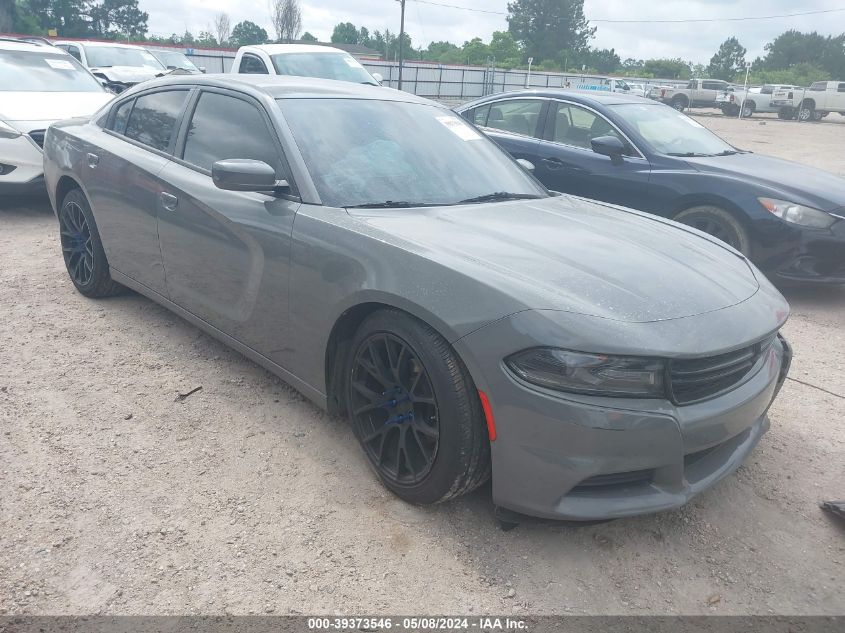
(609, 146)
(241, 174)
(527, 165)
(378, 77)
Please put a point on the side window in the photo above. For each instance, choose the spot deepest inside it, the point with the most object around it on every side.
(840, 88)
(479, 115)
(153, 119)
(578, 126)
(819, 86)
(714, 85)
(227, 127)
(121, 116)
(252, 65)
(517, 116)
(74, 50)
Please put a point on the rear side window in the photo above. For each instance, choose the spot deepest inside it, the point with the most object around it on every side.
(479, 115)
(227, 127)
(153, 119)
(841, 88)
(819, 86)
(251, 65)
(515, 116)
(121, 116)
(714, 85)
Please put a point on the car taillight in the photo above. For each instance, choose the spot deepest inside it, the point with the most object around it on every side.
(789, 96)
(663, 92)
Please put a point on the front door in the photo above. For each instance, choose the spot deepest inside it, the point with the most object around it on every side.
(226, 253)
(566, 162)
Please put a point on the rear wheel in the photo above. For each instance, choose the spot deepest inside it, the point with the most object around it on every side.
(748, 110)
(83, 252)
(679, 103)
(806, 112)
(786, 113)
(415, 410)
(718, 223)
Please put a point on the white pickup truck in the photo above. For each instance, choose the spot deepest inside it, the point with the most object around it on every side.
(699, 93)
(753, 100)
(813, 103)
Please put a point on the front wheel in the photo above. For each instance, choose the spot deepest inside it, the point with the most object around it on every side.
(806, 112)
(718, 223)
(82, 249)
(415, 410)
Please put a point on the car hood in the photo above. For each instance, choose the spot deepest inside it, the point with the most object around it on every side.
(797, 183)
(29, 111)
(128, 74)
(567, 253)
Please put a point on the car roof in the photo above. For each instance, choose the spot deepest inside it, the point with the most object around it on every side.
(289, 87)
(586, 97)
(275, 49)
(96, 44)
(12, 44)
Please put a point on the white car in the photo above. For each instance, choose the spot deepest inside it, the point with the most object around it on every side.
(39, 84)
(121, 66)
(302, 60)
(638, 90)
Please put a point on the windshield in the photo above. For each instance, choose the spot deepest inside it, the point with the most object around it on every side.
(340, 66)
(172, 59)
(667, 131)
(44, 72)
(366, 152)
(105, 56)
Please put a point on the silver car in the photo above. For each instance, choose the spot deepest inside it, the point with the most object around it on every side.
(382, 256)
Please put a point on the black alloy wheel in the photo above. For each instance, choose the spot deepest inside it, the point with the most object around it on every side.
(394, 409)
(77, 245)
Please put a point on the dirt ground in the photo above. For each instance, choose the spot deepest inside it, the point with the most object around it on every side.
(244, 498)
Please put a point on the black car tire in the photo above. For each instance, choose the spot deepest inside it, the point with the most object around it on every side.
(82, 249)
(718, 223)
(679, 103)
(748, 110)
(786, 113)
(730, 110)
(461, 459)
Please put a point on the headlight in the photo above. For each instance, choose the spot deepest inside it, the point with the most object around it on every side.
(596, 374)
(7, 131)
(798, 213)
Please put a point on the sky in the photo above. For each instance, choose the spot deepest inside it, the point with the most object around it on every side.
(426, 22)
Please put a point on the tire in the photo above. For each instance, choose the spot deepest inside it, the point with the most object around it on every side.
(805, 112)
(748, 110)
(679, 103)
(730, 110)
(445, 446)
(82, 249)
(786, 113)
(818, 116)
(718, 223)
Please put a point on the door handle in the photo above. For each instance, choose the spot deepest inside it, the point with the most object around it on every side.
(168, 201)
(93, 160)
(553, 163)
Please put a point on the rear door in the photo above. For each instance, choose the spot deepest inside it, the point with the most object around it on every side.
(122, 179)
(567, 163)
(514, 124)
(227, 253)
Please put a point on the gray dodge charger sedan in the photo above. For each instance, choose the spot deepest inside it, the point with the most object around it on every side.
(386, 259)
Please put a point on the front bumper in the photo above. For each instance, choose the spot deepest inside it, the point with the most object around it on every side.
(572, 457)
(814, 257)
(21, 166)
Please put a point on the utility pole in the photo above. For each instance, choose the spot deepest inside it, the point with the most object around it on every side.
(401, 41)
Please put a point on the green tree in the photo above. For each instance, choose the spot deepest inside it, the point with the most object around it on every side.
(793, 47)
(345, 33)
(667, 68)
(8, 10)
(246, 33)
(544, 28)
(728, 61)
(505, 49)
(307, 37)
(603, 60)
(475, 52)
(206, 39)
(443, 52)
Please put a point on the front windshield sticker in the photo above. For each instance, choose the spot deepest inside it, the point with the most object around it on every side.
(459, 128)
(59, 64)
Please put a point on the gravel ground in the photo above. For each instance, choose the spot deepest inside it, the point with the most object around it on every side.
(244, 498)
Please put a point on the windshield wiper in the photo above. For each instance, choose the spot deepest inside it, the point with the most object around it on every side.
(390, 204)
(689, 154)
(729, 152)
(500, 195)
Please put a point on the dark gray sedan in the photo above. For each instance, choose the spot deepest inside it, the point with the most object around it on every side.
(394, 265)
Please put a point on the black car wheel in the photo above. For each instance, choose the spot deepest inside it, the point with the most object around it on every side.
(415, 410)
(718, 223)
(805, 112)
(679, 104)
(83, 252)
(747, 110)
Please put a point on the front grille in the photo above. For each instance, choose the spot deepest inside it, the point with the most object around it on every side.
(38, 137)
(697, 379)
